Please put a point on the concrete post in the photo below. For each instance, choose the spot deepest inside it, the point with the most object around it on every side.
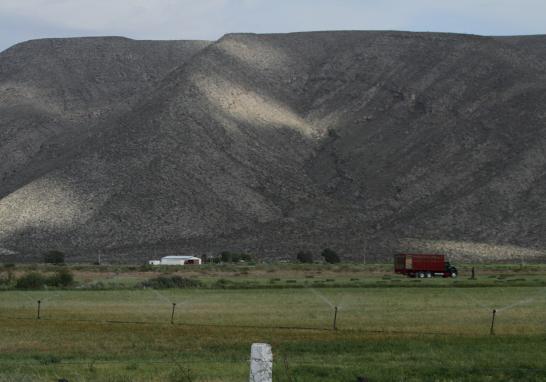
(261, 363)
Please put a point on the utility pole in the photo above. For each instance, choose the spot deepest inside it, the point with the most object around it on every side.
(364, 249)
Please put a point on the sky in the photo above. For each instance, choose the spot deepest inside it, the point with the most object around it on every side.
(22, 20)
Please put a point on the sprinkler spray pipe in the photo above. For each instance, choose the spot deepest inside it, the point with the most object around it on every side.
(492, 331)
(38, 314)
(172, 314)
(335, 317)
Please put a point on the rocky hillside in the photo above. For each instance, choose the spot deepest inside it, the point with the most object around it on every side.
(366, 142)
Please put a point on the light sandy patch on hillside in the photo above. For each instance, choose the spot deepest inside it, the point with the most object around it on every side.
(471, 250)
(49, 201)
(250, 107)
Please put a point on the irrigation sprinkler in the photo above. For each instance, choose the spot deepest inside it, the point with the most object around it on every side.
(172, 314)
(164, 298)
(492, 330)
(38, 313)
(329, 303)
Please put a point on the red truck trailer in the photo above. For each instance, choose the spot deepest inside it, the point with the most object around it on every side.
(423, 265)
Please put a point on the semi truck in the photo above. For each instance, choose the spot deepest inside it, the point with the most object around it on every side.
(423, 265)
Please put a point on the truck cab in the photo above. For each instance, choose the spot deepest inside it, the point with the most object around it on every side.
(451, 269)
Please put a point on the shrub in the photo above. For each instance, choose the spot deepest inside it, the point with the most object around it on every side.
(97, 285)
(222, 283)
(4, 281)
(146, 268)
(54, 257)
(226, 257)
(62, 278)
(231, 257)
(47, 359)
(304, 257)
(181, 374)
(164, 282)
(330, 256)
(7, 280)
(32, 280)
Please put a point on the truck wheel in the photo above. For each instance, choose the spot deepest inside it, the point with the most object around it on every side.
(453, 274)
(429, 275)
(421, 275)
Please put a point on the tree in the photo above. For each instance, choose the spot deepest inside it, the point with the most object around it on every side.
(226, 257)
(304, 257)
(330, 256)
(232, 257)
(32, 280)
(8, 268)
(62, 278)
(54, 257)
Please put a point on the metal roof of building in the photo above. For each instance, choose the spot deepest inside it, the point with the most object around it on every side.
(179, 257)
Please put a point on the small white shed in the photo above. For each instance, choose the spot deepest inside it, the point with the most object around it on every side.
(180, 260)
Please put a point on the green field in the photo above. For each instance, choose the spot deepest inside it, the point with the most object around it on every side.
(431, 330)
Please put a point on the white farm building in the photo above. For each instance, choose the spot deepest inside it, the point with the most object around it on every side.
(176, 260)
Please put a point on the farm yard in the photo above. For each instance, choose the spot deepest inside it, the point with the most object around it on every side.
(388, 327)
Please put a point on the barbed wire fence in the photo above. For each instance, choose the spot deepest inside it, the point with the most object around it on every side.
(159, 299)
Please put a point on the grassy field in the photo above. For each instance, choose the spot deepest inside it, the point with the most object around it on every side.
(387, 330)
(295, 275)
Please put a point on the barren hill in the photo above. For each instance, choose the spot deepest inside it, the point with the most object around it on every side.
(366, 142)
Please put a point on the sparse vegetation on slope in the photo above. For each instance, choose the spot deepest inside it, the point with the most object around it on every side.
(266, 143)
